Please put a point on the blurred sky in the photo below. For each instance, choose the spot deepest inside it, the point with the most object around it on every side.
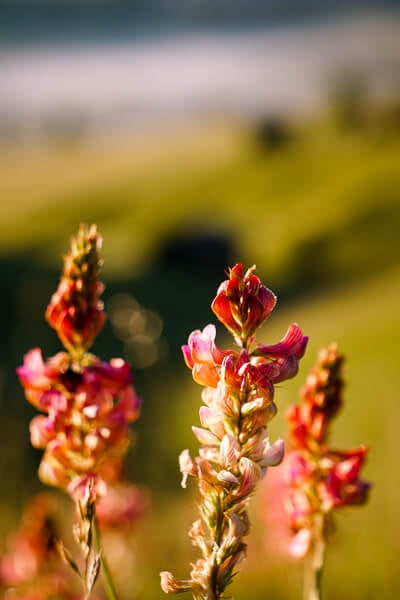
(111, 65)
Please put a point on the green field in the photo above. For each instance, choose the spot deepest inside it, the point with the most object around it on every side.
(320, 217)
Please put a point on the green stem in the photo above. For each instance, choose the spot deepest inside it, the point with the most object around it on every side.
(107, 577)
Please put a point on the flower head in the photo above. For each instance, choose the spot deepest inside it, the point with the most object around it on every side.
(235, 450)
(243, 303)
(319, 478)
(75, 310)
(86, 404)
(87, 414)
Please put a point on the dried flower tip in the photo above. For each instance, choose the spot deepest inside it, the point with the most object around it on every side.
(171, 585)
(66, 556)
(93, 570)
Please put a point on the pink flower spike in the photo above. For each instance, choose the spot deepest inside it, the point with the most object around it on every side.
(319, 479)
(234, 451)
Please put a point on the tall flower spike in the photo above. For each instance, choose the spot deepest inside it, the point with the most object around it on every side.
(75, 310)
(235, 450)
(319, 478)
(87, 404)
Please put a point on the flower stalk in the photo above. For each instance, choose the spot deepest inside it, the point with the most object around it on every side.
(105, 570)
(319, 478)
(87, 404)
(315, 563)
(235, 450)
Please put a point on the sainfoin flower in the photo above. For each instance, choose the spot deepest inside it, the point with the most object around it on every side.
(235, 450)
(86, 404)
(87, 410)
(319, 478)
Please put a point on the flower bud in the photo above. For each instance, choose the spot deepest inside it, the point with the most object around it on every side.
(75, 310)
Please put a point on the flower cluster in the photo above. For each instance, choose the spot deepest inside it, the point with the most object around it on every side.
(88, 404)
(89, 408)
(319, 478)
(235, 449)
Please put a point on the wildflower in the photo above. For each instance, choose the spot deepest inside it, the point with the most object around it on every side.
(235, 449)
(319, 478)
(87, 414)
(87, 405)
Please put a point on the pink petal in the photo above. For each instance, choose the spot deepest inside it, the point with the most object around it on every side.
(300, 543)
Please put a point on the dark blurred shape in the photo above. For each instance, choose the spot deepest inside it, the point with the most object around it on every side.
(202, 250)
(272, 133)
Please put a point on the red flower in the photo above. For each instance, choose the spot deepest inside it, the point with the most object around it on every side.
(242, 302)
(319, 479)
(75, 310)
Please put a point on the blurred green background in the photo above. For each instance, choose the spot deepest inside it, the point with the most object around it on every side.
(305, 186)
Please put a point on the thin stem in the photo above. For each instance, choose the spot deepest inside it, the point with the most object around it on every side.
(314, 567)
(312, 583)
(107, 577)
